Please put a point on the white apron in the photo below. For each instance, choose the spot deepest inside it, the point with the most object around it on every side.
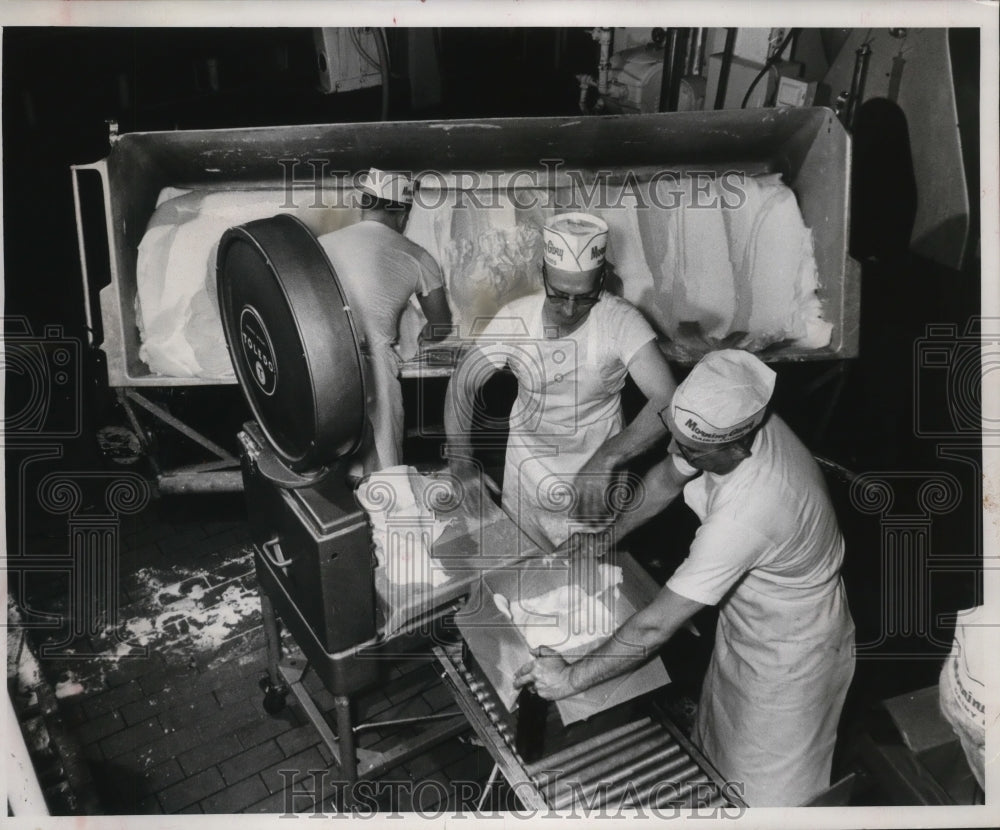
(773, 729)
(568, 404)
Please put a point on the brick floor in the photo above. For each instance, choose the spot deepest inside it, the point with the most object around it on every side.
(199, 786)
(236, 798)
(251, 761)
(208, 754)
(182, 729)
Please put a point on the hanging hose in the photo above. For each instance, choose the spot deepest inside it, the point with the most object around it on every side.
(768, 64)
(382, 64)
(727, 62)
(383, 58)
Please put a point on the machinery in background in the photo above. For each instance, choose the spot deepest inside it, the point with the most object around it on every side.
(896, 92)
(628, 81)
(350, 59)
(683, 70)
(908, 74)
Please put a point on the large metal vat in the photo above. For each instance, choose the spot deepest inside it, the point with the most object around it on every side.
(809, 147)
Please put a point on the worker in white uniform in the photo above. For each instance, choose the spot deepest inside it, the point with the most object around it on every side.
(768, 553)
(379, 270)
(570, 349)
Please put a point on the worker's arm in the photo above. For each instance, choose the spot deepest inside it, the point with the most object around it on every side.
(435, 307)
(632, 644)
(661, 484)
(651, 373)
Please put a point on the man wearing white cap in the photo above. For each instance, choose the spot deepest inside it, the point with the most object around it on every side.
(768, 553)
(571, 348)
(379, 270)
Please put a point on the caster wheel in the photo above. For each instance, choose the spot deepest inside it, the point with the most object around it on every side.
(119, 445)
(274, 696)
(274, 702)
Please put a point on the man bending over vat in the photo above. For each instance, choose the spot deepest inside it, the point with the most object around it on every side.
(380, 269)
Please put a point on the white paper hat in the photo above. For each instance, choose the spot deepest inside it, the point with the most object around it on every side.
(393, 187)
(575, 242)
(724, 397)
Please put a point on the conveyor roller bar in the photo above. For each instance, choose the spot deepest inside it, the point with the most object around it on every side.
(584, 748)
(610, 749)
(487, 726)
(680, 782)
(590, 776)
(651, 766)
(642, 763)
(682, 795)
(626, 785)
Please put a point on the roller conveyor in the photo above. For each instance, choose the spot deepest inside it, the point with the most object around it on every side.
(644, 763)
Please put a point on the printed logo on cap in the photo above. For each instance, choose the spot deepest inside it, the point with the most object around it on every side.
(696, 428)
(575, 242)
(393, 187)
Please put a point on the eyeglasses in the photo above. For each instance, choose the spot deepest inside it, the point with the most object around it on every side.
(588, 299)
(741, 448)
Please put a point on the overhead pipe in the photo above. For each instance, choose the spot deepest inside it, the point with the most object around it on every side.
(586, 83)
(604, 36)
(696, 48)
(727, 62)
(857, 85)
(674, 61)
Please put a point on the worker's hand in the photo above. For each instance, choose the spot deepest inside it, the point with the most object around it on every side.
(585, 545)
(548, 674)
(592, 485)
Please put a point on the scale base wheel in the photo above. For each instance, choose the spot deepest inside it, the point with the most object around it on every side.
(275, 697)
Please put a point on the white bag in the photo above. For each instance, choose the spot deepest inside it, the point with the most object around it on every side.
(961, 688)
